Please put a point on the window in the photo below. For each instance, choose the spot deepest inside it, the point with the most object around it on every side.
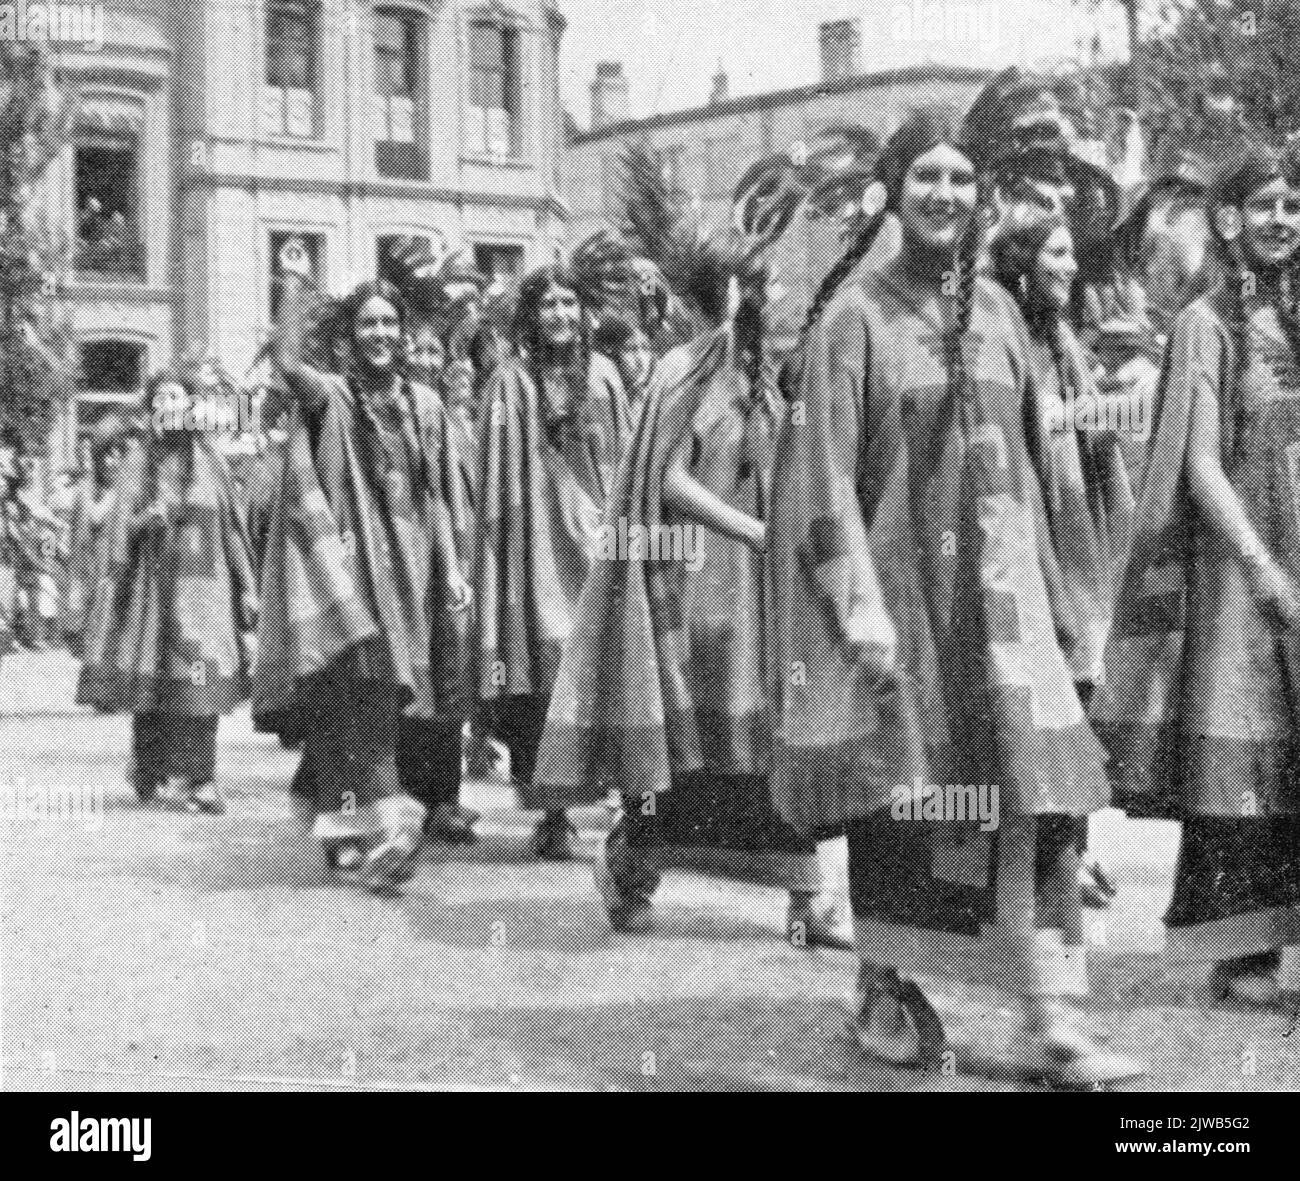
(315, 248)
(399, 133)
(673, 160)
(292, 53)
(495, 85)
(108, 226)
(498, 260)
(111, 370)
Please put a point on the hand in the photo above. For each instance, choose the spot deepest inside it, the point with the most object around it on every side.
(758, 540)
(874, 640)
(1276, 593)
(460, 594)
(250, 646)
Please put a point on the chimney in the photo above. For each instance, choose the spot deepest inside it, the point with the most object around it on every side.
(841, 49)
(722, 87)
(609, 95)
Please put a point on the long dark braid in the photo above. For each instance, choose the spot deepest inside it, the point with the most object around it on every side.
(963, 304)
(857, 251)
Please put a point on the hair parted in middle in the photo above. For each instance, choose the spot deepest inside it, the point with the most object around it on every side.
(1253, 165)
(923, 130)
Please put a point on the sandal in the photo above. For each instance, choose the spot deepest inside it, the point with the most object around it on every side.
(893, 1022)
(625, 884)
(205, 798)
(1064, 1056)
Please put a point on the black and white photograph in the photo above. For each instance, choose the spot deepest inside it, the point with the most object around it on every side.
(634, 545)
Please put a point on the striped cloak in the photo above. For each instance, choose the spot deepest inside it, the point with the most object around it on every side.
(346, 573)
(542, 492)
(167, 630)
(641, 696)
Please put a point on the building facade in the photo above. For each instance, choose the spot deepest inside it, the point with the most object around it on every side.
(705, 151)
(213, 132)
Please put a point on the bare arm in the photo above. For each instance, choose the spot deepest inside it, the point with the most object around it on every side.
(683, 492)
(1216, 501)
(303, 383)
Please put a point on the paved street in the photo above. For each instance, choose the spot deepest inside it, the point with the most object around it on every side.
(160, 950)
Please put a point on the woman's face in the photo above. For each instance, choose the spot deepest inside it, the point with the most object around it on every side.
(559, 316)
(636, 361)
(377, 334)
(938, 198)
(1271, 222)
(1055, 268)
(425, 353)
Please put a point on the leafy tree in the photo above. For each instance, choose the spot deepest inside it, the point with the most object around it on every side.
(36, 367)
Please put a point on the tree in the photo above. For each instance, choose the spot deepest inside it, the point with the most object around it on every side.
(36, 367)
(1202, 62)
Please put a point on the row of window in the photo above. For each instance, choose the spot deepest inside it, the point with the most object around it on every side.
(292, 94)
(116, 368)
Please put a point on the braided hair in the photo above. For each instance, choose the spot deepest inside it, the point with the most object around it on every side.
(1254, 167)
(374, 454)
(923, 130)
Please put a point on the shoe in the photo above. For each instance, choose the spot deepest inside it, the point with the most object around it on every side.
(1064, 1056)
(468, 815)
(1096, 886)
(206, 798)
(893, 1022)
(144, 791)
(447, 823)
(807, 925)
(555, 838)
(391, 861)
(1253, 980)
(626, 885)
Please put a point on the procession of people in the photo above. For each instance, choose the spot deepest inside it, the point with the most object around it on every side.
(1014, 518)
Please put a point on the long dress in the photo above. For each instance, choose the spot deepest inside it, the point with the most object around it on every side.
(545, 469)
(166, 637)
(895, 500)
(663, 690)
(1199, 705)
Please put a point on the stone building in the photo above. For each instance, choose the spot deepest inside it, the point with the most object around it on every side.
(211, 132)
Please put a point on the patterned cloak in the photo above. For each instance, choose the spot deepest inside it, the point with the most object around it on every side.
(542, 490)
(167, 631)
(664, 674)
(1197, 708)
(346, 573)
(891, 499)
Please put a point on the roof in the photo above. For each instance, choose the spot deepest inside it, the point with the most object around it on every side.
(903, 76)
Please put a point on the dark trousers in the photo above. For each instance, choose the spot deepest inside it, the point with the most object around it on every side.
(718, 811)
(518, 722)
(429, 759)
(169, 746)
(891, 878)
(1230, 866)
(350, 750)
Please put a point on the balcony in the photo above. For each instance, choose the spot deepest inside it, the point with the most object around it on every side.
(110, 257)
